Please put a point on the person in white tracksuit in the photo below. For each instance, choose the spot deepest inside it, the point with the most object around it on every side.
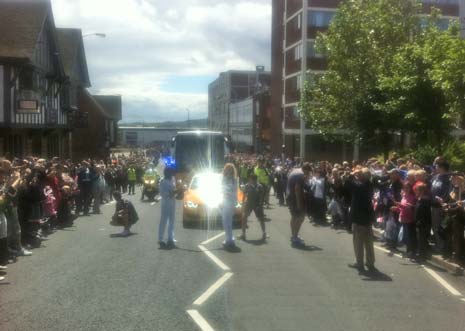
(229, 203)
(168, 206)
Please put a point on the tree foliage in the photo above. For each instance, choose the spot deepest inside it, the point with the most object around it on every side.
(389, 70)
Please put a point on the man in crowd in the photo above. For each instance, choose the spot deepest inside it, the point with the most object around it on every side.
(362, 216)
(263, 178)
(296, 201)
(85, 187)
(440, 189)
(132, 178)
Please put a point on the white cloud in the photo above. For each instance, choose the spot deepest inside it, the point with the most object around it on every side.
(149, 41)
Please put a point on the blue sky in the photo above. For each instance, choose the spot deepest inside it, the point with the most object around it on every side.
(187, 84)
(160, 55)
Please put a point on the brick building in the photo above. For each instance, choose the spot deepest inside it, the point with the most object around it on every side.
(295, 25)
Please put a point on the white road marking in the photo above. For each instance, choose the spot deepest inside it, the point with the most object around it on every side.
(433, 273)
(387, 251)
(199, 320)
(442, 281)
(212, 289)
(212, 239)
(218, 262)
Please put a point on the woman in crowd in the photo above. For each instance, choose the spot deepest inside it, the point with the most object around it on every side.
(230, 186)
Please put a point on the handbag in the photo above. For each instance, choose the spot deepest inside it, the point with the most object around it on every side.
(391, 233)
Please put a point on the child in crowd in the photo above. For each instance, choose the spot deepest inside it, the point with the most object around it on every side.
(422, 218)
(253, 201)
(406, 209)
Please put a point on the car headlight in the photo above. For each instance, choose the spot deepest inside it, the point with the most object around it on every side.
(152, 182)
(146, 182)
(190, 204)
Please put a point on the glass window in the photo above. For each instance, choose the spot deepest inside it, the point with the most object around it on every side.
(320, 19)
(312, 52)
(298, 52)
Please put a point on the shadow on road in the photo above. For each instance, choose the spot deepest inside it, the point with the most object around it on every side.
(376, 276)
(256, 242)
(119, 235)
(179, 249)
(309, 248)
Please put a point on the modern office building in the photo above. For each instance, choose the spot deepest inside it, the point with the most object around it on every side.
(250, 123)
(295, 25)
(230, 87)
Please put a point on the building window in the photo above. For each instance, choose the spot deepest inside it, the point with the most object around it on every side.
(26, 79)
(320, 19)
(312, 52)
(442, 23)
(299, 82)
(298, 52)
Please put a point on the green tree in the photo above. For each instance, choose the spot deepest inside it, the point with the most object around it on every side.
(386, 72)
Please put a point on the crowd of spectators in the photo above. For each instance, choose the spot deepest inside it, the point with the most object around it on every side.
(39, 196)
(417, 206)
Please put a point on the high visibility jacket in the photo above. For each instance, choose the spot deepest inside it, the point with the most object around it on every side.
(243, 172)
(262, 176)
(132, 174)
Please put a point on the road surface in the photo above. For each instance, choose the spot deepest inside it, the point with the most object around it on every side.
(84, 278)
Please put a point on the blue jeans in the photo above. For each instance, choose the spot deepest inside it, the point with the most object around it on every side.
(168, 207)
(227, 217)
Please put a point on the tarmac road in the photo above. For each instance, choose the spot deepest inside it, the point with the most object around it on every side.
(83, 278)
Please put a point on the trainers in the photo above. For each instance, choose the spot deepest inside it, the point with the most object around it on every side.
(162, 244)
(3, 267)
(298, 243)
(125, 233)
(357, 266)
(170, 244)
(23, 252)
(2, 278)
(372, 269)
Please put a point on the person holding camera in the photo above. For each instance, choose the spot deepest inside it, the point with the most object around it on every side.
(362, 217)
(125, 214)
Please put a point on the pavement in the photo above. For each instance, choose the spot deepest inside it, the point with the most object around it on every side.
(84, 278)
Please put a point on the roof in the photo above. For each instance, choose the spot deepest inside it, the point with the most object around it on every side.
(72, 50)
(94, 103)
(112, 105)
(21, 22)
